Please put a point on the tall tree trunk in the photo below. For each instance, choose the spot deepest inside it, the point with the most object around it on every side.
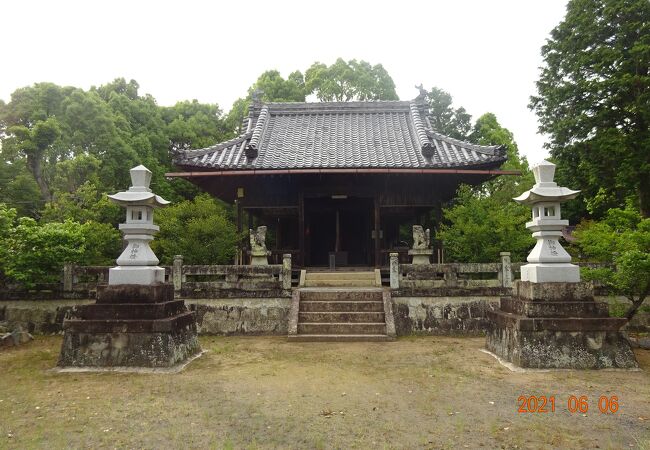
(36, 168)
(644, 196)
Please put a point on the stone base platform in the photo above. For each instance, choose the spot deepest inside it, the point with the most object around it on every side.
(421, 255)
(130, 326)
(557, 325)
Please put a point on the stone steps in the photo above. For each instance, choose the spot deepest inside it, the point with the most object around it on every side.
(326, 328)
(339, 317)
(313, 306)
(341, 338)
(360, 275)
(337, 295)
(355, 309)
(341, 279)
(360, 282)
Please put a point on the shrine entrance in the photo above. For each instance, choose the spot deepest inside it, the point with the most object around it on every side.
(338, 229)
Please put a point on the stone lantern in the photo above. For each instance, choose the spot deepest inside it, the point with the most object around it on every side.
(138, 264)
(548, 261)
(135, 323)
(551, 319)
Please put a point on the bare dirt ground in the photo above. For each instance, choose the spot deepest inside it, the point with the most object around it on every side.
(263, 392)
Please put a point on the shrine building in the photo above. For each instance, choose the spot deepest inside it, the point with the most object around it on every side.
(334, 181)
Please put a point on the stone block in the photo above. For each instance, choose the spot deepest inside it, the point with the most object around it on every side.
(546, 349)
(553, 291)
(550, 272)
(152, 349)
(142, 275)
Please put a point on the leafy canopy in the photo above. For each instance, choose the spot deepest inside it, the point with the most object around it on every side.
(200, 230)
(352, 80)
(483, 221)
(34, 253)
(456, 123)
(594, 102)
(622, 239)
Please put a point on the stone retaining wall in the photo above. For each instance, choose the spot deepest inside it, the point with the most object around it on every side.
(240, 316)
(237, 316)
(442, 315)
(270, 316)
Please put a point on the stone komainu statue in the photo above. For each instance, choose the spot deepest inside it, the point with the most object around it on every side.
(421, 238)
(258, 240)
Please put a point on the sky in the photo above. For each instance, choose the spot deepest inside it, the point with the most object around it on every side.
(486, 54)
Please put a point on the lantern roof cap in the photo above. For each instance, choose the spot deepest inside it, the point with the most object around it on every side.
(545, 189)
(139, 192)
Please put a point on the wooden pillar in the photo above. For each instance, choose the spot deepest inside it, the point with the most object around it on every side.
(239, 257)
(377, 234)
(301, 228)
(337, 244)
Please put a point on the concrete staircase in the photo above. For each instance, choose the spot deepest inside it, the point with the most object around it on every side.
(345, 306)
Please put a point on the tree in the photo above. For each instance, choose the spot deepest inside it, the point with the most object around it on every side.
(85, 204)
(200, 230)
(346, 81)
(18, 189)
(483, 221)
(621, 239)
(33, 253)
(594, 101)
(446, 120)
(478, 227)
(272, 88)
(488, 131)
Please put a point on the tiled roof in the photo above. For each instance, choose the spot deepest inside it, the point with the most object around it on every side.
(378, 134)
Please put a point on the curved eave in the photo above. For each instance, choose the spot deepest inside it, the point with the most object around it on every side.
(251, 172)
(533, 196)
(138, 198)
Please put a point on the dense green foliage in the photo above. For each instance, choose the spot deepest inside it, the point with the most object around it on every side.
(57, 140)
(483, 221)
(594, 102)
(621, 239)
(346, 81)
(456, 123)
(342, 81)
(35, 253)
(200, 230)
(63, 149)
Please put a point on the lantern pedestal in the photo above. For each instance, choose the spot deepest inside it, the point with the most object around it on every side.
(557, 326)
(130, 326)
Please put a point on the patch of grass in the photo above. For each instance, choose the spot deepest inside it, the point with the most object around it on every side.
(265, 392)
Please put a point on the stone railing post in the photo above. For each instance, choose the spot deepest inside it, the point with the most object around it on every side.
(450, 275)
(286, 271)
(506, 270)
(177, 273)
(394, 270)
(68, 277)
